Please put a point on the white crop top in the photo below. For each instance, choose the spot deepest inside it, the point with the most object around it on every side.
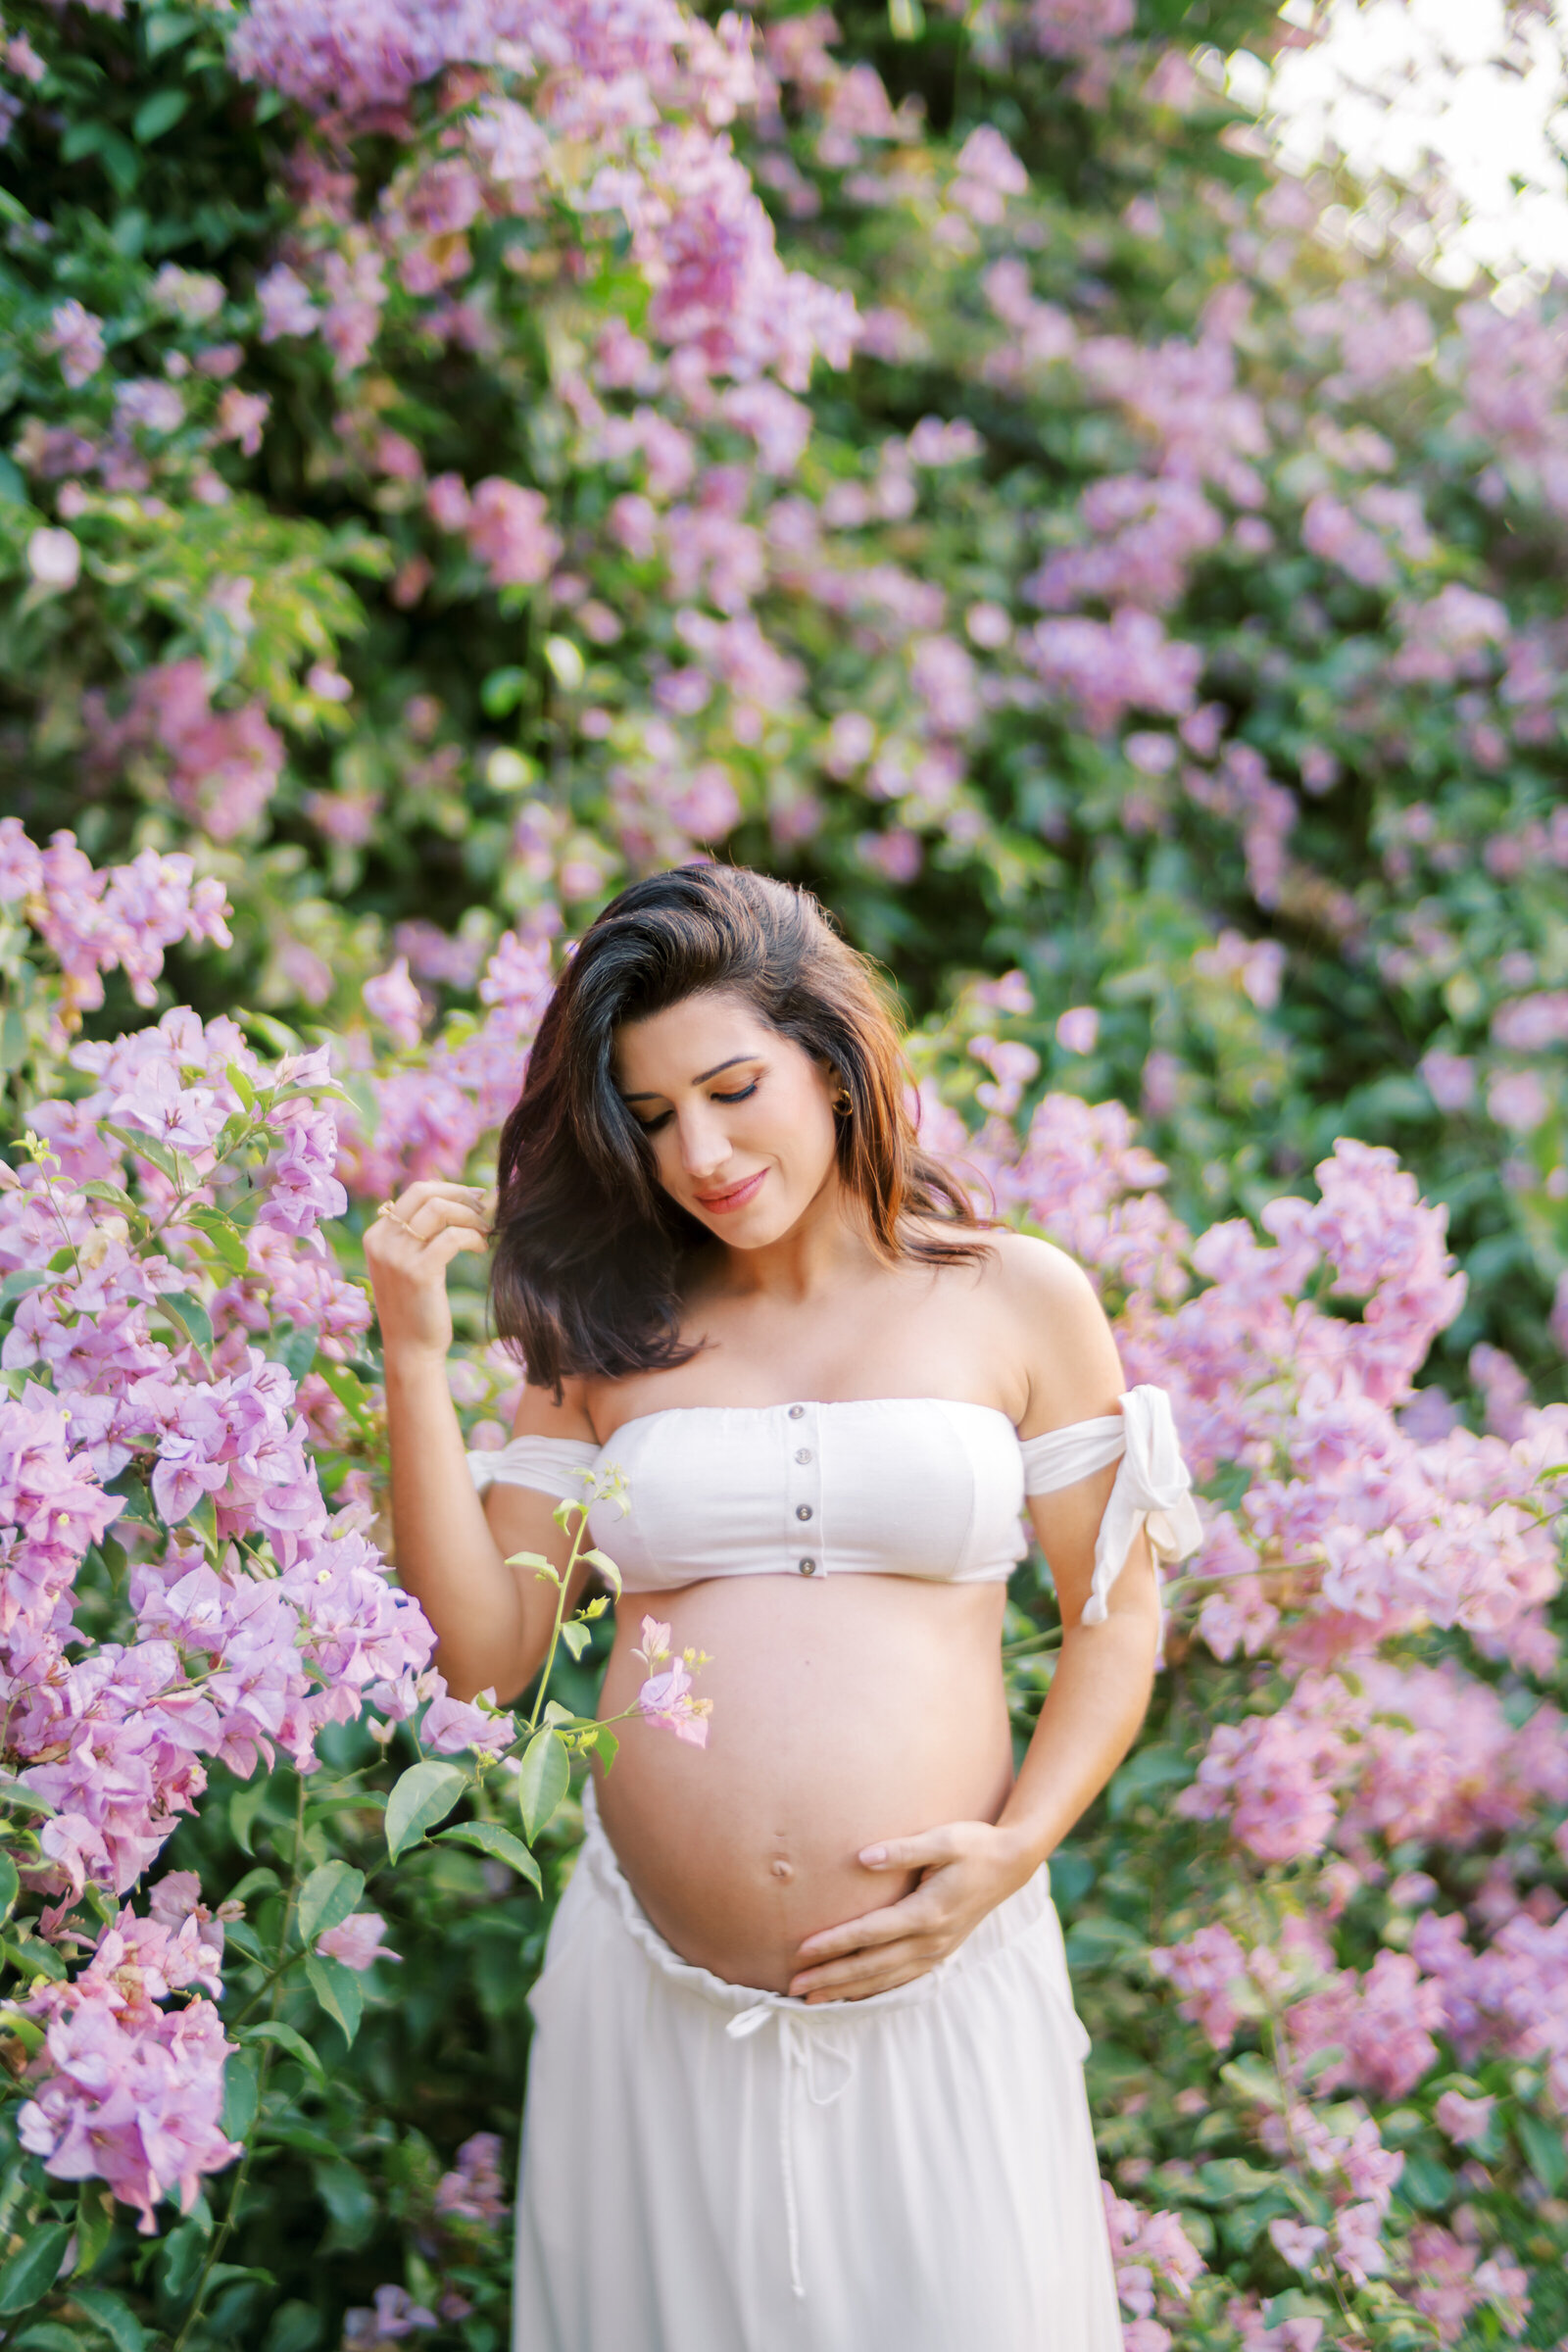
(901, 1486)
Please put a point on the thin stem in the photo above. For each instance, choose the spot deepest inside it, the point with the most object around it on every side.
(562, 1589)
(1032, 1644)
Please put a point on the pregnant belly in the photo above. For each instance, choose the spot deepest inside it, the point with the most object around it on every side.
(846, 1711)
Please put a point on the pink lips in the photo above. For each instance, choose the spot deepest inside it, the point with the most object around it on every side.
(721, 1203)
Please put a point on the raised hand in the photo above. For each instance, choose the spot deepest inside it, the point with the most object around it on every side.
(407, 1249)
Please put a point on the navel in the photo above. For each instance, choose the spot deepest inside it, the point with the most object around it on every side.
(783, 1869)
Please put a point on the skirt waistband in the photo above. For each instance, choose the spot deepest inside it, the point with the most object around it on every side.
(1019, 1915)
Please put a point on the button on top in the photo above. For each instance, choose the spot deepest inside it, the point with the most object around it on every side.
(805, 1455)
(797, 1412)
(803, 1510)
(808, 1567)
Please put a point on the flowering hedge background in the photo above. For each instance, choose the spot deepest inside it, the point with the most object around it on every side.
(460, 456)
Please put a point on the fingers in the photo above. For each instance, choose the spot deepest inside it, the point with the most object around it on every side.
(928, 1851)
(439, 1216)
(436, 1188)
(422, 1209)
(444, 1246)
(867, 1972)
(876, 1928)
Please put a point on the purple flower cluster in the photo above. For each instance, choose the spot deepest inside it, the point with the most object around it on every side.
(126, 2091)
(222, 766)
(95, 921)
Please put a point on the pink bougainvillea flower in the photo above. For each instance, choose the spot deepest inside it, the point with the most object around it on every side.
(357, 1940)
(1078, 1029)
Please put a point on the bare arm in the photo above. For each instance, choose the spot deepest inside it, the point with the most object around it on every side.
(1100, 1692)
(492, 1622)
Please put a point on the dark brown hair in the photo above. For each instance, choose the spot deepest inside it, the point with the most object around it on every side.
(590, 1249)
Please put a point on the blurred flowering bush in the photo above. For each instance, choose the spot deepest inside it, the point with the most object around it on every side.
(458, 459)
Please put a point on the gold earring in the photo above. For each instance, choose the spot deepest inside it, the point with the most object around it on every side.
(844, 1100)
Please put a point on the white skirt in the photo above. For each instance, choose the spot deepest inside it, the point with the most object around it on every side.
(707, 2168)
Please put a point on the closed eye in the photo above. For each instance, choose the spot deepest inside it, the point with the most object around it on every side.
(653, 1126)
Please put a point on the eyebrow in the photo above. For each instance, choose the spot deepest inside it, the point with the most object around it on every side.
(702, 1078)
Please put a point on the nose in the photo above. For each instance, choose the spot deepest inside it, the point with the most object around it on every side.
(704, 1144)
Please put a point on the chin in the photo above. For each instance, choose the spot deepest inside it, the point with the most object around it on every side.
(752, 1227)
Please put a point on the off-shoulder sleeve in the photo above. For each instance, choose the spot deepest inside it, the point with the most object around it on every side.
(1152, 1489)
(549, 1465)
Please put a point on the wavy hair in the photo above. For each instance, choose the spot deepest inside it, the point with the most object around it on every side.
(590, 1253)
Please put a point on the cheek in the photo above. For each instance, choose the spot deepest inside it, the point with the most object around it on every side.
(805, 1135)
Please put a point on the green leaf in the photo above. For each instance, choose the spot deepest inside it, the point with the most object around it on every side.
(489, 1838)
(262, 1880)
(221, 2271)
(157, 114)
(287, 2135)
(576, 1637)
(326, 1898)
(607, 1745)
(295, 2325)
(274, 2030)
(425, 1796)
(95, 2223)
(165, 28)
(34, 2267)
(339, 1993)
(241, 1084)
(10, 1886)
(1425, 2183)
(33, 1959)
(542, 1782)
(243, 1807)
(224, 1236)
(180, 2257)
(1228, 2176)
(19, 1281)
(1546, 2151)
(1150, 1770)
(606, 1567)
(145, 1147)
(503, 690)
(1296, 2303)
(1253, 2079)
(191, 1316)
(241, 2095)
(26, 1801)
(297, 1354)
(13, 1039)
(113, 1195)
(47, 2336)
(113, 2315)
(348, 2199)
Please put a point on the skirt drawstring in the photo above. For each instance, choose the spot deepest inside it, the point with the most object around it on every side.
(809, 2052)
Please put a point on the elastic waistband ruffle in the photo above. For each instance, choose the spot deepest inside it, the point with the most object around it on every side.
(1022, 1914)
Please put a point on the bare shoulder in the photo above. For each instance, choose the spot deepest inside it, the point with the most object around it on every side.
(1056, 1331)
(539, 1415)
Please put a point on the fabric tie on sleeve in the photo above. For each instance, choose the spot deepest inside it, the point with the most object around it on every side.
(1153, 1490)
(549, 1465)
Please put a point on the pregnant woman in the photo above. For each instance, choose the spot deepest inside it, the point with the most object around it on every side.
(806, 2075)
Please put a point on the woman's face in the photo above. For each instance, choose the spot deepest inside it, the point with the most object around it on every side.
(739, 1117)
